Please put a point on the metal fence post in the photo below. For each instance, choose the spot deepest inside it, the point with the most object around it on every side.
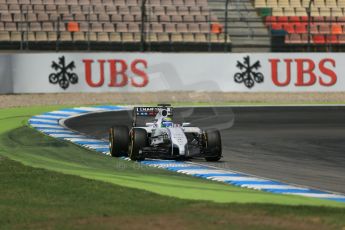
(226, 26)
(21, 26)
(143, 20)
(309, 21)
(27, 29)
(88, 28)
(58, 35)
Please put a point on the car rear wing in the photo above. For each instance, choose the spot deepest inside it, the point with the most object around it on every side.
(152, 111)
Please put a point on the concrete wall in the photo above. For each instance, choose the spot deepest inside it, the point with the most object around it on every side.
(6, 83)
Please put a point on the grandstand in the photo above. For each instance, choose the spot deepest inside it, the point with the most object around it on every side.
(300, 22)
(171, 25)
(168, 25)
(244, 25)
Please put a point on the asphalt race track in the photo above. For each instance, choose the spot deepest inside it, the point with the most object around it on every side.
(301, 145)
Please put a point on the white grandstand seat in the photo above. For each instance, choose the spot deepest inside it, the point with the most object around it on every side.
(47, 26)
(152, 37)
(121, 27)
(103, 17)
(200, 38)
(41, 36)
(115, 37)
(127, 37)
(260, 3)
(52, 36)
(79, 36)
(108, 27)
(103, 37)
(188, 37)
(66, 36)
(190, 3)
(35, 26)
(182, 28)
(176, 38)
(163, 37)
(16, 36)
(4, 36)
(170, 28)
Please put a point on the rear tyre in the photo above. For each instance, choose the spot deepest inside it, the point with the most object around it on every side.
(138, 140)
(212, 145)
(118, 141)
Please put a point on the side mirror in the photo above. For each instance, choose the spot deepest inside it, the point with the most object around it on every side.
(184, 124)
(149, 124)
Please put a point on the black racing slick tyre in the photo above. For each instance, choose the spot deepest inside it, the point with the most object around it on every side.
(212, 145)
(118, 141)
(138, 140)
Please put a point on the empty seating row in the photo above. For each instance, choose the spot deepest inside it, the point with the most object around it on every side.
(322, 29)
(109, 37)
(297, 19)
(42, 17)
(177, 2)
(315, 39)
(108, 27)
(107, 20)
(327, 22)
(301, 11)
(64, 9)
(324, 25)
(314, 29)
(108, 2)
(298, 3)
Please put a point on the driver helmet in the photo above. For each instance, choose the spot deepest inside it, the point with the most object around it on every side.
(167, 122)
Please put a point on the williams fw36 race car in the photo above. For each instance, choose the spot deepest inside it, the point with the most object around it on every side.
(159, 137)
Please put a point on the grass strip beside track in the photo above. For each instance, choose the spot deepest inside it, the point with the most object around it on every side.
(34, 198)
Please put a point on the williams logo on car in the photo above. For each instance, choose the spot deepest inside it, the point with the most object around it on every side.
(248, 75)
(63, 73)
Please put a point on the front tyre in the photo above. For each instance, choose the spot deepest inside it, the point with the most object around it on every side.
(212, 145)
(118, 141)
(138, 140)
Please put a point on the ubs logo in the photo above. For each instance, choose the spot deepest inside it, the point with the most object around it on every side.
(249, 74)
(64, 75)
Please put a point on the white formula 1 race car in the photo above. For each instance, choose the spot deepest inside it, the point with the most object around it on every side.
(161, 138)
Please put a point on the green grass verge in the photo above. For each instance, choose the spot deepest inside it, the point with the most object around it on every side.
(33, 198)
(134, 197)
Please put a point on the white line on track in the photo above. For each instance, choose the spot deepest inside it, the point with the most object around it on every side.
(235, 178)
(48, 116)
(46, 126)
(91, 109)
(55, 131)
(203, 171)
(170, 165)
(65, 112)
(271, 186)
(66, 135)
(45, 121)
(96, 146)
(76, 140)
(316, 195)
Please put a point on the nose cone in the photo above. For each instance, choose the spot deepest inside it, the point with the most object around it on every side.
(179, 139)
